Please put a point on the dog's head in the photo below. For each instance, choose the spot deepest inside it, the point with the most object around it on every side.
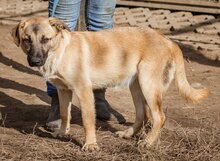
(37, 36)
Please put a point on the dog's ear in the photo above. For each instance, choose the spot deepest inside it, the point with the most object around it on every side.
(58, 24)
(15, 33)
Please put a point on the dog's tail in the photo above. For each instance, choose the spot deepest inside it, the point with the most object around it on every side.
(185, 89)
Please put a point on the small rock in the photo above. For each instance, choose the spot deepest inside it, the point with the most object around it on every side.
(199, 48)
(196, 85)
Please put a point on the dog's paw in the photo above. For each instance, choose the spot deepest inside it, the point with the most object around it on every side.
(90, 147)
(126, 133)
(61, 134)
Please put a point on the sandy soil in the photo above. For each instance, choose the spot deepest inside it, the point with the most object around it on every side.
(191, 132)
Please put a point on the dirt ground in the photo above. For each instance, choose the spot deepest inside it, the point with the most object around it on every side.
(191, 132)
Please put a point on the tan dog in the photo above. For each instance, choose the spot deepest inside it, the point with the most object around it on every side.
(142, 59)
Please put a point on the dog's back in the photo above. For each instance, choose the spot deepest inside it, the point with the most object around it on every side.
(113, 55)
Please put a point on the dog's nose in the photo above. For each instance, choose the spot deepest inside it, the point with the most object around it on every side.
(34, 61)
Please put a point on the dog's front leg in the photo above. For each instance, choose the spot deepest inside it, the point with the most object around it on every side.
(65, 99)
(86, 99)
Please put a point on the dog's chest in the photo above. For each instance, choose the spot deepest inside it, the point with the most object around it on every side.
(51, 74)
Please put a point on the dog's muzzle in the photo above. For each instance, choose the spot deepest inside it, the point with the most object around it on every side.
(34, 61)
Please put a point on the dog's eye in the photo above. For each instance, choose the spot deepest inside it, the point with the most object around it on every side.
(45, 40)
(27, 39)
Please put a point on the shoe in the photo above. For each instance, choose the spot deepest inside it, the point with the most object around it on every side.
(53, 121)
(104, 111)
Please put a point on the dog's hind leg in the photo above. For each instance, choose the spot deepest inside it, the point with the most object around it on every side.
(151, 87)
(65, 99)
(139, 103)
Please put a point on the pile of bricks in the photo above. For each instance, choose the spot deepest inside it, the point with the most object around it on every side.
(165, 20)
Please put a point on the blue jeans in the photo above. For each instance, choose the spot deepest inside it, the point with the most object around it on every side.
(98, 15)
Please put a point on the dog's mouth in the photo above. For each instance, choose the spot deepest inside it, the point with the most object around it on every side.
(35, 64)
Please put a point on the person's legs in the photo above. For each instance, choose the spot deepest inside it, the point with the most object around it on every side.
(68, 11)
(65, 10)
(99, 16)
